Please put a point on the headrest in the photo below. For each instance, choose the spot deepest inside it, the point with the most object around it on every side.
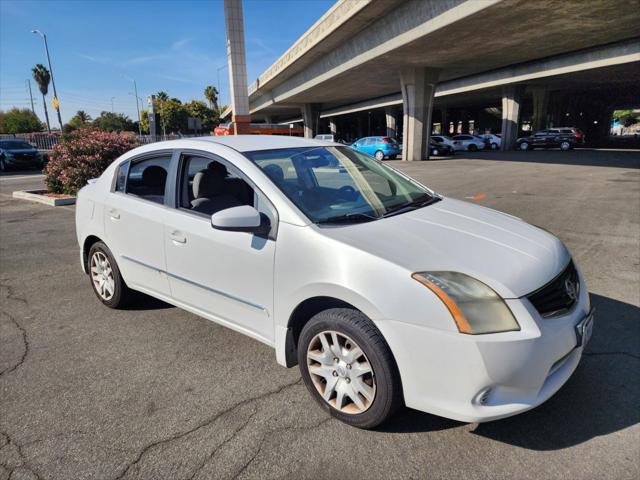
(274, 172)
(210, 182)
(154, 176)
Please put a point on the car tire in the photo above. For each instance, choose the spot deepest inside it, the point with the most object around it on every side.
(435, 152)
(472, 148)
(564, 146)
(353, 332)
(494, 146)
(3, 166)
(392, 157)
(379, 155)
(524, 146)
(105, 277)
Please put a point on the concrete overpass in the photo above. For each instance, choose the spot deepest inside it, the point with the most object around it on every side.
(417, 55)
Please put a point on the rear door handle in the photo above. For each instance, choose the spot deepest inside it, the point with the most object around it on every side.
(114, 214)
(178, 237)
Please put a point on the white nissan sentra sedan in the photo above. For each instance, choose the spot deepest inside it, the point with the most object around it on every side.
(381, 290)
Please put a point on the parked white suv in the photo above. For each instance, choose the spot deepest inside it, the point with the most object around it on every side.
(382, 290)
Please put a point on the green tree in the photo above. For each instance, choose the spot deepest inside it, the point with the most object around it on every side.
(114, 122)
(198, 109)
(80, 119)
(19, 120)
(42, 77)
(174, 116)
(162, 96)
(211, 94)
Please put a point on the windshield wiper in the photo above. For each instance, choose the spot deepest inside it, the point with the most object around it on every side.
(349, 218)
(419, 202)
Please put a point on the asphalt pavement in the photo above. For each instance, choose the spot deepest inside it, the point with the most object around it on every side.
(157, 393)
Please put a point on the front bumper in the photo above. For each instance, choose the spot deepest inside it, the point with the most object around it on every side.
(479, 378)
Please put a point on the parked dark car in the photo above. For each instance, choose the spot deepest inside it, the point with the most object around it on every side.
(19, 154)
(439, 149)
(564, 138)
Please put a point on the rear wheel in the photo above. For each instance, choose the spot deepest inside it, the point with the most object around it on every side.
(106, 279)
(348, 368)
(435, 152)
(379, 155)
(524, 146)
(3, 166)
(494, 146)
(473, 147)
(564, 146)
(392, 157)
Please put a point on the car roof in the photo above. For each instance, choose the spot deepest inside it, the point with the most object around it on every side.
(249, 143)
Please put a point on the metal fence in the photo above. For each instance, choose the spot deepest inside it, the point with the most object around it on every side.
(46, 141)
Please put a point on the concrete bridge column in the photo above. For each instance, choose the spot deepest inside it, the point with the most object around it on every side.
(390, 115)
(540, 106)
(333, 127)
(310, 117)
(418, 86)
(511, 98)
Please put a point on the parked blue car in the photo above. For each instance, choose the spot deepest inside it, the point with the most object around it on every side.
(378, 147)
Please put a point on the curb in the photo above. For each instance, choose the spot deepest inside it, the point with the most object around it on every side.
(40, 196)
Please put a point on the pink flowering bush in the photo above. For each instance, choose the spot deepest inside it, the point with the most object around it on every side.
(82, 155)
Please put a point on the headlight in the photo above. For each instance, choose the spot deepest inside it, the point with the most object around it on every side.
(475, 307)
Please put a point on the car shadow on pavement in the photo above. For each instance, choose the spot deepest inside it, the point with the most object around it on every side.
(601, 397)
(146, 302)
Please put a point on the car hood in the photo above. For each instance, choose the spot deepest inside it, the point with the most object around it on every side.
(506, 253)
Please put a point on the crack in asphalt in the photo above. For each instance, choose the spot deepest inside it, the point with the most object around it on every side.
(24, 464)
(201, 425)
(598, 354)
(25, 342)
(233, 435)
(271, 432)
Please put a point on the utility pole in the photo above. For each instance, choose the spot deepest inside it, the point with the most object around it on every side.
(112, 98)
(56, 103)
(31, 95)
(135, 92)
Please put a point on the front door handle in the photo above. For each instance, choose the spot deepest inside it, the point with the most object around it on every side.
(114, 214)
(178, 237)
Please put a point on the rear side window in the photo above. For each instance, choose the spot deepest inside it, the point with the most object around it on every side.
(148, 178)
(121, 177)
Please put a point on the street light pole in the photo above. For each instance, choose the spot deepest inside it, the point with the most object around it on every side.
(135, 92)
(55, 93)
(112, 98)
(31, 96)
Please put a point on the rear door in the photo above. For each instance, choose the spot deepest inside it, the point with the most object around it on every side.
(133, 220)
(227, 276)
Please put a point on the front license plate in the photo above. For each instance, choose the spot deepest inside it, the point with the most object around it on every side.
(584, 329)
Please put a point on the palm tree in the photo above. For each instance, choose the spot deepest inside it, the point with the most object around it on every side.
(83, 116)
(211, 94)
(162, 96)
(42, 77)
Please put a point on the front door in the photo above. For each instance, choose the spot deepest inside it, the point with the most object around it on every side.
(225, 275)
(133, 220)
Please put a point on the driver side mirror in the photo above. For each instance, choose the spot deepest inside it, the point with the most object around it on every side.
(241, 219)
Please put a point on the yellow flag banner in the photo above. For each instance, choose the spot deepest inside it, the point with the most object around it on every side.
(56, 104)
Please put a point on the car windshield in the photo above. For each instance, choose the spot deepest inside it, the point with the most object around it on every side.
(15, 145)
(339, 184)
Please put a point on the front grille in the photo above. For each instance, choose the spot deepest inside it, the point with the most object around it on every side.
(559, 295)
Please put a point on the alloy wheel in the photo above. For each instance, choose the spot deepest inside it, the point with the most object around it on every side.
(524, 146)
(102, 276)
(565, 146)
(379, 155)
(341, 372)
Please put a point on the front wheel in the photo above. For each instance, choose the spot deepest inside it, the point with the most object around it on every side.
(564, 146)
(524, 146)
(379, 155)
(106, 279)
(435, 152)
(3, 166)
(494, 146)
(473, 148)
(348, 367)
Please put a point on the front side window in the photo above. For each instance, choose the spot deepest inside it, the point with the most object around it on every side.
(208, 186)
(339, 184)
(147, 178)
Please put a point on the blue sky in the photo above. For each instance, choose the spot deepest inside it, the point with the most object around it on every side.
(171, 45)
